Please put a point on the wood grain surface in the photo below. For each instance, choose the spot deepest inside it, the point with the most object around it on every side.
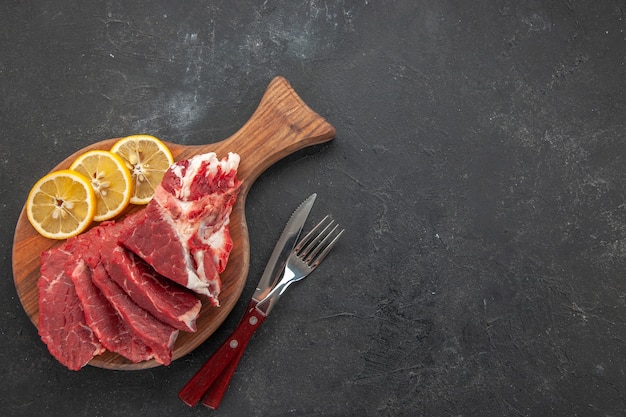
(281, 125)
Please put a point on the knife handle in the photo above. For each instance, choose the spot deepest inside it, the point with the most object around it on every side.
(213, 397)
(231, 350)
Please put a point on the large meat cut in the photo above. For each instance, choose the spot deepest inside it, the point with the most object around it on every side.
(184, 231)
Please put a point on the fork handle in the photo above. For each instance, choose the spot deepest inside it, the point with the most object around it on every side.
(213, 397)
(231, 350)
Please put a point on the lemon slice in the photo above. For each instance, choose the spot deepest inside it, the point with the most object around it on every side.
(147, 158)
(110, 179)
(61, 204)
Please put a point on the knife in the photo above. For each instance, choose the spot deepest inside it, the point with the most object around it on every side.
(211, 381)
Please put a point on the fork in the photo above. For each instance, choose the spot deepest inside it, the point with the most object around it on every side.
(306, 256)
(212, 380)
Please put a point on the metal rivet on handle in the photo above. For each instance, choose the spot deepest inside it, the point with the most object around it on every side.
(233, 344)
(253, 320)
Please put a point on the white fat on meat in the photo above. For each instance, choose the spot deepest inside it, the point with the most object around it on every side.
(211, 229)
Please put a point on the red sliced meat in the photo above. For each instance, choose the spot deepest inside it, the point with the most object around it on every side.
(164, 299)
(62, 325)
(167, 301)
(102, 318)
(159, 336)
(190, 211)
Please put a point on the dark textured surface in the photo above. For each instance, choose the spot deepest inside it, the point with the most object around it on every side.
(479, 168)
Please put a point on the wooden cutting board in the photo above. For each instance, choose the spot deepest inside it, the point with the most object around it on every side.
(282, 124)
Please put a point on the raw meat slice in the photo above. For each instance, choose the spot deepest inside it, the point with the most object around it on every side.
(168, 302)
(98, 243)
(102, 318)
(184, 233)
(62, 324)
(159, 336)
(164, 299)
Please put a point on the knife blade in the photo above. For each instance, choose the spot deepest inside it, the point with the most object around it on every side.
(285, 244)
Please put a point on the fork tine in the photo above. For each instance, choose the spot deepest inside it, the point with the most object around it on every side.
(327, 248)
(314, 247)
(321, 242)
(310, 237)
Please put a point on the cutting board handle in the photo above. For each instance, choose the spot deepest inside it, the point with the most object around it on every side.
(281, 124)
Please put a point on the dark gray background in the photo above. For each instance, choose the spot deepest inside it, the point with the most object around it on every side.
(479, 169)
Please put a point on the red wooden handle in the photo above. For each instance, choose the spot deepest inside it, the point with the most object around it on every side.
(213, 397)
(230, 350)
